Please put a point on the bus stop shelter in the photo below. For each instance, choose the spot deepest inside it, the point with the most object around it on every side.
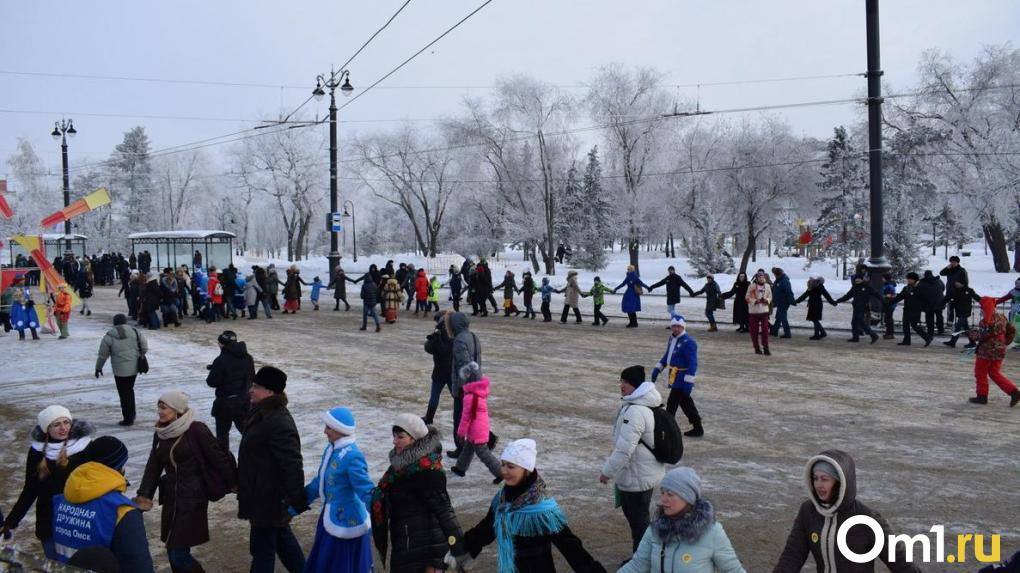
(176, 248)
(55, 244)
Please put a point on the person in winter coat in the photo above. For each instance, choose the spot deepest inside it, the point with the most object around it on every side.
(1013, 298)
(343, 536)
(168, 290)
(674, 283)
(433, 301)
(632, 465)
(631, 304)
(421, 293)
(993, 336)
(228, 281)
(183, 291)
(23, 314)
(598, 298)
(252, 293)
(759, 301)
(392, 297)
(680, 362)
(97, 487)
(955, 275)
(58, 446)
(860, 293)
(62, 309)
(440, 346)
(270, 475)
(685, 532)
(466, 349)
(292, 290)
(959, 300)
(572, 295)
(528, 289)
(456, 284)
(152, 298)
(815, 294)
(509, 286)
(339, 286)
(85, 288)
(214, 288)
(473, 429)
(123, 345)
(525, 522)
(316, 290)
(712, 297)
(231, 375)
(547, 292)
(782, 298)
(889, 306)
(412, 518)
(831, 480)
(273, 284)
(369, 298)
(199, 286)
(912, 308)
(932, 290)
(409, 285)
(183, 448)
(6, 302)
(485, 284)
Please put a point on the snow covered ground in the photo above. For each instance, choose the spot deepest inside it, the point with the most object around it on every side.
(924, 455)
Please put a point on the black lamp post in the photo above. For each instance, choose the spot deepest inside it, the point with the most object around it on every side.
(877, 263)
(354, 227)
(61, 129)
(331, 83)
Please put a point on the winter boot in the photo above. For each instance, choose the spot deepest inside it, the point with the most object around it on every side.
(378, 328)
(765, 350)
(951, 342)
(904, 343)
(1014, 398)
(757, 350)
(21, 335)
(970, 345)
(35, 335)
(854, 339)
(888, 336)
(874, 338)
(89, 312)
(927, 341)
(696, 432)
(979, 400)
(713, 328)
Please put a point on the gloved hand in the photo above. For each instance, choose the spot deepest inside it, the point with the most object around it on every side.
(461, 562)
(99, 372)
(143, 503)
(655, 374)
(689, 379)
(292, 512)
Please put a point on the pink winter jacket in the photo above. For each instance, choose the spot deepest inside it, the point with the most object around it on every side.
(474, 422)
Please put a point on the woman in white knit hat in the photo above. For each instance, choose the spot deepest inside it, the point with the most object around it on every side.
(525, 522)
(58, 445)
(183, 449)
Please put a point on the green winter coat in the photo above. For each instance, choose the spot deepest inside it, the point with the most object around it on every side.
(434, 287)
(598, 293)
(121, 345)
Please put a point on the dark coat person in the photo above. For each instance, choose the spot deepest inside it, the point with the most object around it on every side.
(231, 374)
(674, 283)
(738, 292)
(815, 295)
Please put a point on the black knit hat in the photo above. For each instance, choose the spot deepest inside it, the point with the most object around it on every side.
(119, 320)
(271, 378)
(913, 275)
(633, 375)
(227, 337)
(107, 450)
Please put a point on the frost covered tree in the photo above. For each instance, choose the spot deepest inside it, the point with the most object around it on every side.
(132, 180)
(179, 180)
(569, 218)
(27, 191)
(843, 203)
(595, 211)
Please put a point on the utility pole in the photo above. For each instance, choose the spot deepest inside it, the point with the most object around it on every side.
(331, 83)
(877, 263)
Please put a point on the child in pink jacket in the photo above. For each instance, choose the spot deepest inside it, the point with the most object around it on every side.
(474, 424)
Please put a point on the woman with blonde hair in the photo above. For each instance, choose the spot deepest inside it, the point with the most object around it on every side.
(58, 445)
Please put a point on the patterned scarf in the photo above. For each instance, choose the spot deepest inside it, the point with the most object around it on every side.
(530, 514)
(380, 495)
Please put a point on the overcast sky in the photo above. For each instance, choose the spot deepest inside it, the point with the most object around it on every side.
(562, 42)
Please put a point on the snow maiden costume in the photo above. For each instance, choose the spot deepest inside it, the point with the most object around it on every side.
(343, 537)
(23, 313)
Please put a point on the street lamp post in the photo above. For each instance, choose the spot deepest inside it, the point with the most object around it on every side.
(331, 83)
(354, 226)
(877, 263)
(61, 129)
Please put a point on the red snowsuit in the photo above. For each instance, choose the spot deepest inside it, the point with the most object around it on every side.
(421, 287)
(993, 337)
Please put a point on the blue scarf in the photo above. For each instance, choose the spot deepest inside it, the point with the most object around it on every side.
(543, 517)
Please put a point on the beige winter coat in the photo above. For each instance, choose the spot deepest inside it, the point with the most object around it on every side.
(572, 291)
(756, 293)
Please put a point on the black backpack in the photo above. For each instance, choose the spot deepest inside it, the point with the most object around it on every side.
(669, 440)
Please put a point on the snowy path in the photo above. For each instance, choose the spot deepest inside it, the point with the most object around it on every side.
(924, 456)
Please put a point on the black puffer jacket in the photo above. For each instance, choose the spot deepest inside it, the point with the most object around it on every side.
(859, 295)
(41, 491)
(674, 283)
(422, 522)
(270, 474)
(152, 296)
(440, 346)
(814, 530)
(930, 289)
(231, 375)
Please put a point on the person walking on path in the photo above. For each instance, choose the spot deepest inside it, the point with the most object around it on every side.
(392, 297)
(421, 293)
(685, 532)
(343, 535)
(440, 346)
(831, 480)
(674, 283)
(816, 295)
(466, 349)
(411, 510)
(739, 294)
(631, 304)
(474, 427)
(528, 289)
(270, 475)
(252, 293)
(598, 297)
(183, 450)
(316, 291)
(369, 298)
(632, 465)
(955, 275)
(993, 335)
(339, 286)
(525, 522)
(86, 288)
(231, 374)
(456, 284)
(932, 290)
(125, 347)
(509, 286)
(912, 307)
(889, 306)
(782, 298)
(62, 309)
(861, 292)
(433, 301)
(571, 297)
(547, 292)
(960, 300)
(273, 284)
(759, 301)
(23, 314)
(292, 290)
(57, 448)
(680, 363)
(712, 299)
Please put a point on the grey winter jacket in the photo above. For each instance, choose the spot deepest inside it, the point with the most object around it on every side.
(466, 348)
(252, 290)
(120, 345)
(632, 465)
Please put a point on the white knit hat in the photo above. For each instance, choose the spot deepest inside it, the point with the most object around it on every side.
(521, 453)
(678, 320)
(413, 425)
(52, 414)
(176, 400)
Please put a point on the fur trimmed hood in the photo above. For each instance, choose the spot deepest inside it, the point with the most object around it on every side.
(79, 429)
(690, 527)
(432, 442)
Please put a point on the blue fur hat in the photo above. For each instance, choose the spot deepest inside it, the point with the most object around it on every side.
(340, 419)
